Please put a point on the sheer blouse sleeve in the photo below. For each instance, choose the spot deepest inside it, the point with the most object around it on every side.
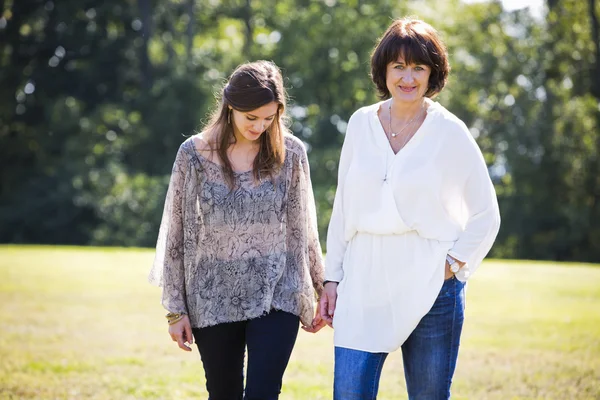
(168, 268)
(302, 220)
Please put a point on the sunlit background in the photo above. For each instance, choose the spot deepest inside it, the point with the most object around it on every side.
(535, 7)
(98, 95)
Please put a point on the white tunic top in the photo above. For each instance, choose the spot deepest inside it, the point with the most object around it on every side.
(388, 237)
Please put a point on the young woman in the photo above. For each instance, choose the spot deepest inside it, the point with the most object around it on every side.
(238, 255)
(415, 213)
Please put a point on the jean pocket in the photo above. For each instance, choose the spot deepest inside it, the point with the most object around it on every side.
(449, 288)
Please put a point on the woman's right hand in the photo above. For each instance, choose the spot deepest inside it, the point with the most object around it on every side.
(327, 302)
(181, 332)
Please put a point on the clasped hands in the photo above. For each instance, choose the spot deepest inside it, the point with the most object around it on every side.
(181, 331)
(325, 308)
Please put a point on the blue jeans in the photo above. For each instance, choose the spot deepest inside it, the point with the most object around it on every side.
(429, 354)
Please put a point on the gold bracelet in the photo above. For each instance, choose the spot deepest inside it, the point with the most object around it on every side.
(174, 321)
(174, 317)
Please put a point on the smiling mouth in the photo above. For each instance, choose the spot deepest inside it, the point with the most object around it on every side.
(254, 133)
(407, 89)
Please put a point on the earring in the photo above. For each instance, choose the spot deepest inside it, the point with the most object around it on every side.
(229, 116)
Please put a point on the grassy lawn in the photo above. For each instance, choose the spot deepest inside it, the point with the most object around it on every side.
(83, 323)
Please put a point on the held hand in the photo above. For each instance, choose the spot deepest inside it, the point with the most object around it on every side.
(181, 332)
(317, 322)
(327, 303)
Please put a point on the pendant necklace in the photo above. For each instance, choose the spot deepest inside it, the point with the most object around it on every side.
(394, 134)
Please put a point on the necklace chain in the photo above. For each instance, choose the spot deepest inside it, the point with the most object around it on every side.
(393, 135)
(413, 119)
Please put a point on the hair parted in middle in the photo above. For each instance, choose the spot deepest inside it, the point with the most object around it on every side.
(418, 43)
(251, 86)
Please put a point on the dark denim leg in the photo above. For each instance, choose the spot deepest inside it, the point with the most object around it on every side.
(431, 351)
(222, 350)
(270, 341)
(356, 374)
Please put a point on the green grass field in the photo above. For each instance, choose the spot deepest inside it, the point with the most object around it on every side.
(83, 323)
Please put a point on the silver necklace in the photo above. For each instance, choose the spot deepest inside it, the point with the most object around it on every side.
(393, 135)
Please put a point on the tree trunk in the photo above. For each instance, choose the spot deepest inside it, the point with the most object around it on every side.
(595, 75)
(190, 28)
(247, 21)
(168, 16)
(146, 17)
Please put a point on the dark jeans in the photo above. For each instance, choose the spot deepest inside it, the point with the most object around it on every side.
(270, 340)
(429, 354)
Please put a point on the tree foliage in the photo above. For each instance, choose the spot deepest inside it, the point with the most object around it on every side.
(97, 97)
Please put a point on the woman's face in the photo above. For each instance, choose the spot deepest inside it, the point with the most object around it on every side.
(407, 83)
(250, 125)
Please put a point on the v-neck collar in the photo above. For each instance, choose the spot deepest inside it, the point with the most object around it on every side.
(379, 132)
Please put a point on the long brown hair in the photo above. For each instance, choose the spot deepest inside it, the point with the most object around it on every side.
(251, 86)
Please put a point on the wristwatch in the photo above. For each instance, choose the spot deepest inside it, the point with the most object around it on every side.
(454, 266)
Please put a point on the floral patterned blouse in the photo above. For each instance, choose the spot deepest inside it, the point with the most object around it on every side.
(231, 255)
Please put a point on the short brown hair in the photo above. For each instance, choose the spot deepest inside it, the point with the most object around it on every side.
(418, 43)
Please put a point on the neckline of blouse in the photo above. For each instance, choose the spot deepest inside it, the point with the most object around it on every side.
(212, 163)
(379, 131)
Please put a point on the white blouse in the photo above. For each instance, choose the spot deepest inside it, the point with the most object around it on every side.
(396, 217)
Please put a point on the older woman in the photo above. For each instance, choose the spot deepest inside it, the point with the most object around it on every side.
(414, 215)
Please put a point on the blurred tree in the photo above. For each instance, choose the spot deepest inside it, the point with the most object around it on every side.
(328, 74)
(565, 200)
(57, 65)
(97, 97)
(528, 97)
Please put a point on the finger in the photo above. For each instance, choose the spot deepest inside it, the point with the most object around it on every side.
(188, 333)
(314, 328)
(182, 345)
(331, 307)
(323, 305)
(317, 320)
(319, 326)
(332, 303)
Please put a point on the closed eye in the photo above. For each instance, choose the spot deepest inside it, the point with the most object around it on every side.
(254, 118)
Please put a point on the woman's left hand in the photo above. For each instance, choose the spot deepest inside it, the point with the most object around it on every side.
(181, 332)
(317, 323)
(449, 274)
